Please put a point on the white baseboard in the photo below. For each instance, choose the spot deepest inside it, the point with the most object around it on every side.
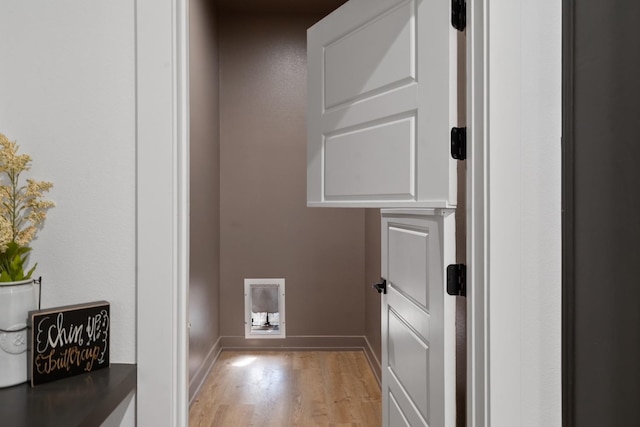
(201, 374)
(375, 364)
(312, 342)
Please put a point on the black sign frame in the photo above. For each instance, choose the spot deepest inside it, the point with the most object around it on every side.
(68, 341)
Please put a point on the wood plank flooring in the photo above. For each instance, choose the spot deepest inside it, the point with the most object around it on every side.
(283, 388)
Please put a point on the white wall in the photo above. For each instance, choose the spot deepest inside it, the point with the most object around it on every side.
(67, 85)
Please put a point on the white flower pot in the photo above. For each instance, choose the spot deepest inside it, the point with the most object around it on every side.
(16, 300)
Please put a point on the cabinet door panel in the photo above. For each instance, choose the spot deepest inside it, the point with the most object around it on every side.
(382, 91)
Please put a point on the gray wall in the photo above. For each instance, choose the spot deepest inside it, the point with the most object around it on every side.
(204, 191)
(266, 230)
(601, 337)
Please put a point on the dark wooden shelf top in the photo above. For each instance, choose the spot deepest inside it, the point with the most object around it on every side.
(83, 400)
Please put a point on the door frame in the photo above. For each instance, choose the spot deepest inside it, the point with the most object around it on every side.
(162, 228)
(163, 223)
(477, 227)
(499, 93)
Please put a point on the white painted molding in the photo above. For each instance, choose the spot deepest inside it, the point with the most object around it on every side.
(202, 373)
(513, 239)
(376, 365)
(162, 211)
(477, 255)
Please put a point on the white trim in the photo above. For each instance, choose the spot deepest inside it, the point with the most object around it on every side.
(477, 193)
(199, 377)
(513, 93)
(162, 211)
(376, 365)
(181, 94)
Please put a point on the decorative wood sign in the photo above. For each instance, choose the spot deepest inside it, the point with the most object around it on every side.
(67, 341)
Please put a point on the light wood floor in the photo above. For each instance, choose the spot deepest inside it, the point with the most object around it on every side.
(282, 388)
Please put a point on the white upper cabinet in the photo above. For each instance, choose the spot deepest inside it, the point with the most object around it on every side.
(382, 91)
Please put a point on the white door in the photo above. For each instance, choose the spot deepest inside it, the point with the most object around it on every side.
(382, 91)
(418, 319)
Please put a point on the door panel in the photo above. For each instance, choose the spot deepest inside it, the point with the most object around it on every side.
(418, 318)
(382, 91)
(407, 254)
(371, 160)
(412, 314)
(404, 405)
(408, 360)
(353, 73)
(396, 417)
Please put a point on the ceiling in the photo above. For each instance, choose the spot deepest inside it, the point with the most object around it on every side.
(293, 6)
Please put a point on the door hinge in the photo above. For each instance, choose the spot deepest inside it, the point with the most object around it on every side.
(457, 280)
(459, 143)
(459, 14)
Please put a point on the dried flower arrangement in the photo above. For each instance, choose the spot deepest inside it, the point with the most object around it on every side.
(23, 210)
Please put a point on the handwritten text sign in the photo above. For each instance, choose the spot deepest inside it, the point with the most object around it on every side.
(67, 341)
